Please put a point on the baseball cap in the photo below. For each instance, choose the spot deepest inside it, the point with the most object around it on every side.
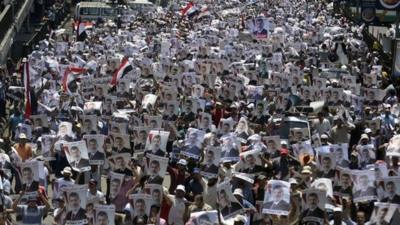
(181, 188)
(182, 162)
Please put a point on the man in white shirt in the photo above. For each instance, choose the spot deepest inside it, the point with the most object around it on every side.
(322, 125)
(179, 207)
(93, 195)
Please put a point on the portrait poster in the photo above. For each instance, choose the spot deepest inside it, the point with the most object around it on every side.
(392, 190)
(46, 142)
(258, 27)
(156, 168)
(104, 214)
(193, 143)
(95, 147)
(324, 184)
(229, 148)
(65, 129)
(314, 209)
(203, 218)
(228, 204)
(142, 204)
(363, 185)
(156, 191)
(30, 174)
(116, 180)
(210, 165)
(383, 213)
(156, 142)
(39, 120)
(89, 124)
(76, 203)
(77, 155)
(277, 198)
(119, 162)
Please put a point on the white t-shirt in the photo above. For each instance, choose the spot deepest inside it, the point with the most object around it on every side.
(96, 198)
(175, 216)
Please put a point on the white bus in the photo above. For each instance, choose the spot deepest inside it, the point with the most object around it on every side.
(141, 5)
(88, 11)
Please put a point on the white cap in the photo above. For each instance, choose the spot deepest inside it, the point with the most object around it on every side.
(239, 192)
(367, 130)
(182, 162)
(180, 187)
(292, 181)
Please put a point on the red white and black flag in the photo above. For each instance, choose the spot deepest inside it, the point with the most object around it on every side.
(80, 28)
(122, 70)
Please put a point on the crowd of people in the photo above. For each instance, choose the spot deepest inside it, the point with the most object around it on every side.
(245, 113)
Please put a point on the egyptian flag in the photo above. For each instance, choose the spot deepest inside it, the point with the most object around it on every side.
(69, 76)
(123, 69)
(27, 89)
(80, 31)
(86, 25)
(188, 7)
(203, 12)
(192, 12)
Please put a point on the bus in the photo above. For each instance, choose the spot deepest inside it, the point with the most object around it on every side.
(89, 11)
(141, 5)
